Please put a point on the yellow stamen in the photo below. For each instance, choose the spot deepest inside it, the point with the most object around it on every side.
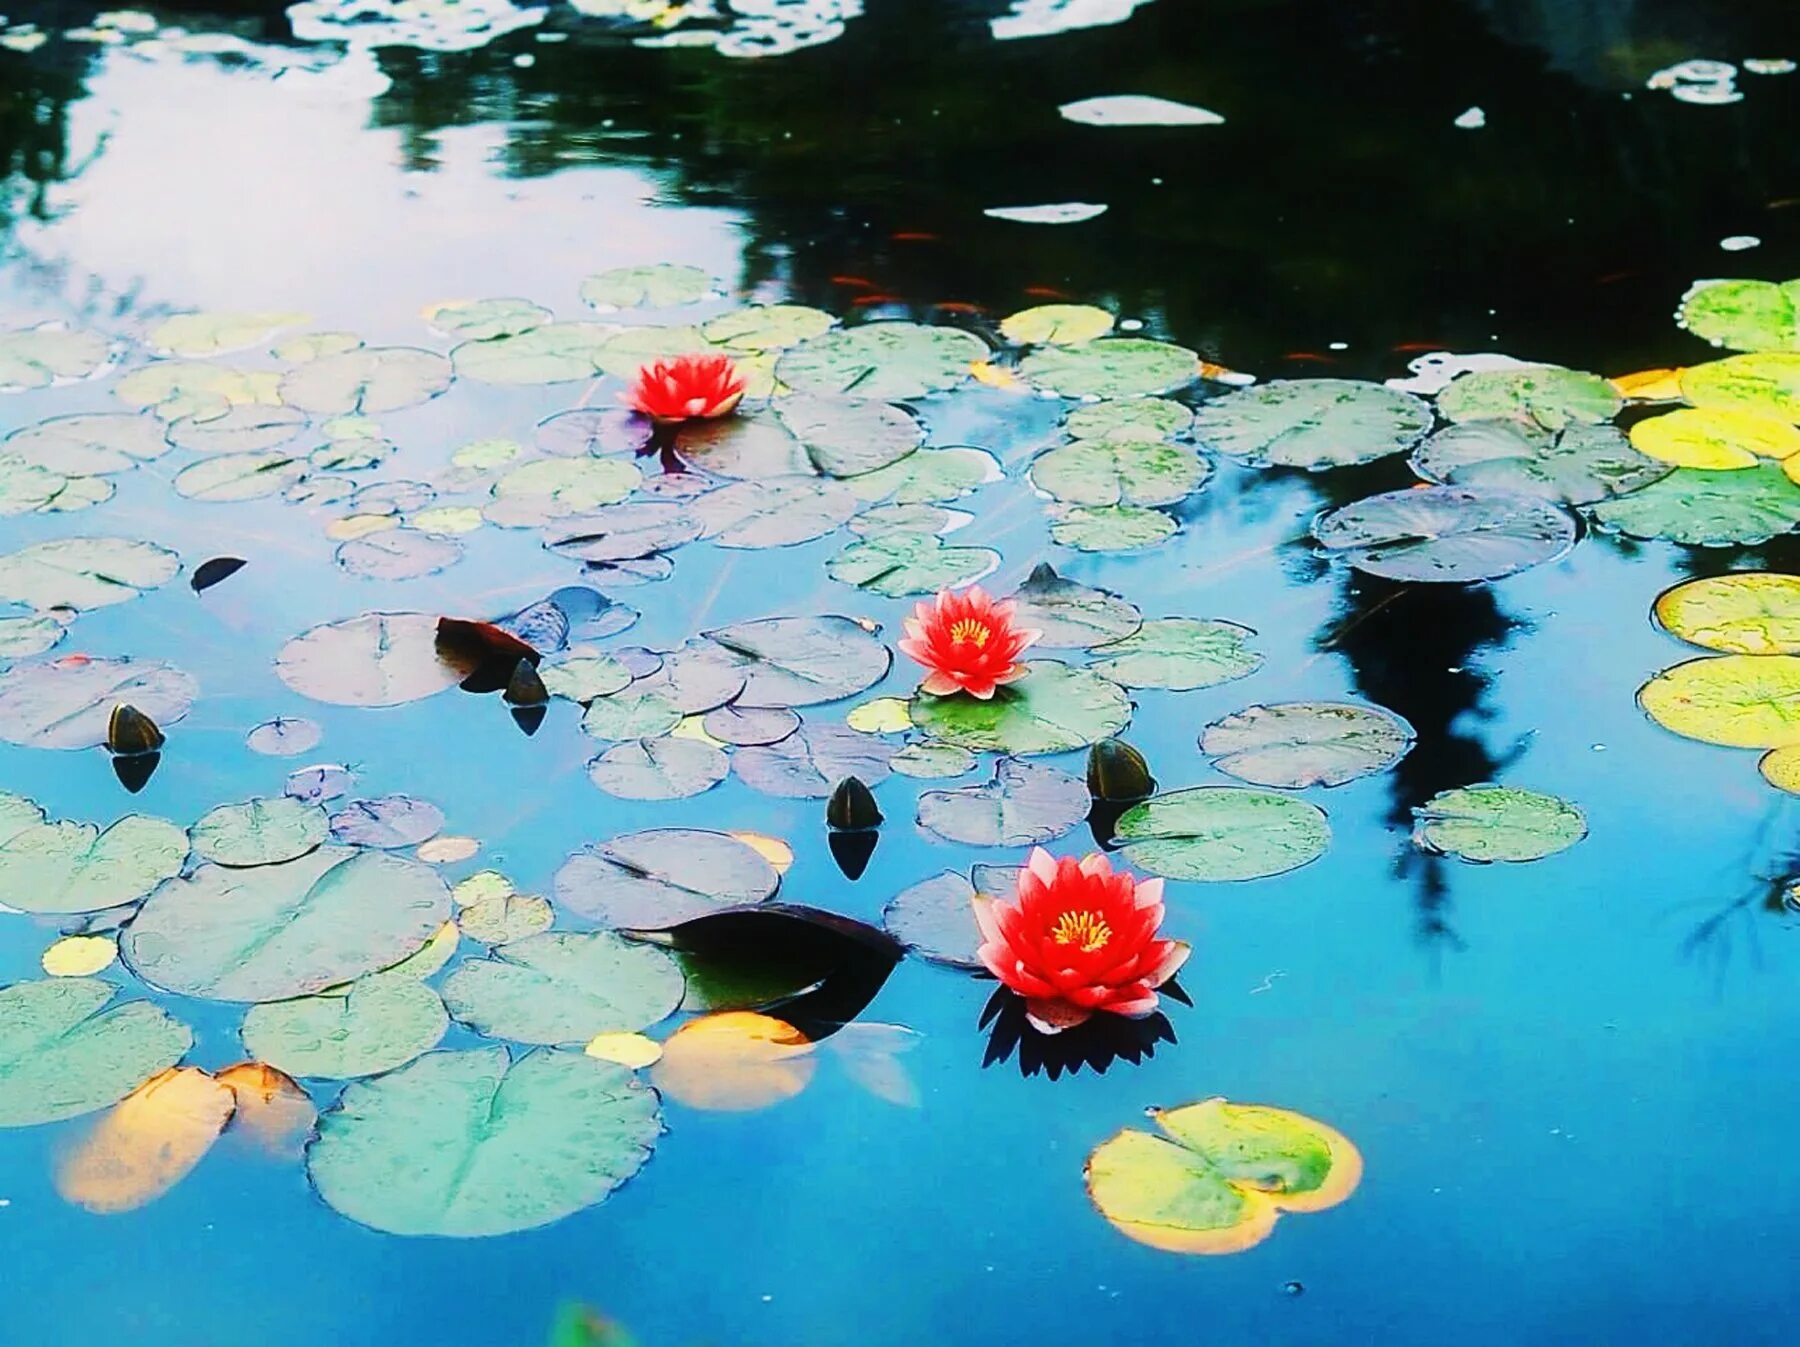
(1087, 929)
(971, 629)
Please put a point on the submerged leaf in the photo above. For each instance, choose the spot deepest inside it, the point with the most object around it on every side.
(734, 1062)
(149, 1142)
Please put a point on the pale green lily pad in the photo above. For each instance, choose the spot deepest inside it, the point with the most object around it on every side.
(767, 327)
(1447, 534)
(1744, 315)
(1222, 833)
(384, 1021)
(41, 357)
(1577, 466)
(882, 360)
(551, 354)
(75, 867)
(280, 931)
(369, 381)
(930, 761)
(1026, 804)
(1497, 823)
(84, 572)
(197, 335)
(28, 490)
(1312, 423)
(88, 443)
(1128, 419)
(1114, 367)
(474, 1143)
(562, 987)
(581, 678)
(662, 877)
(803, 661)
(630, 714)
(1545, 395)
(658, 769)
(67, 705)
(909, 520)
(397, 554)
(847, 437)
(1767, 382)
(484, 319)
(64, 1052)
(23, 637)
(773, 511)
(228, 478)
(929, 476)
(660, 285)
(503, 918)
(628, 349)
(259, 831)
(1052, 709)
(549, 489)
(195, 388)
(1120, 472)
(1070, 615)
(935, 919)
(241, 429)
(1180, 653)
(896, 565)
(1707, 509)
(1110, 528)
(377, 659)
(1296, 744)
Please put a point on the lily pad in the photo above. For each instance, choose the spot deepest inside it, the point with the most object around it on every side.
(803, 661)
(935, 919)
(1297, 744)
(502, 918)
(659, 285)
(1497, 823)
(1026, 804)
(259, 831)
(632, 714)
(367, 381)
(623, 532)
(846, 437)
(1052, 709)
(64, 1052)
(1447, 534)
(482, 319)
(228, 478)
(1707, 509)
(1715, 438)
(931, 761)
(808, 764)
(474, 1143)
(1069, 614)
(377, 659)
(1577, 466)
(387, 822)
(1056, 324)
(1744, 701)
(750, 726)
(553, 353)
(1179, 653)
(1543, 395)
(1110, 528)
(217, 333)
(1767, 383)
(662, 877)
(84, 572)
(1220, 1177)
(900, 564)
(1114, 367)
(68, 704)
(397, 554)
(1744, 315)
(773, 511)
(385, 1021)
(1744, 613)
(551, 489)
(929, 476)
(767, 327)
(1145, 420)
(881, 360)
(1312, 423)
(1222, 833)
(75, 867)
(240, 429)
(658, 769)
(88, 443)
(280, 931)
(581, 678)
(561, 987)
(1120, 472)
(22, 637)
(41, 357)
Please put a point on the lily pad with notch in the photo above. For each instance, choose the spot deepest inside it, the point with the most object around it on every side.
(1497, 823)
(1026, 804)
(1069, 614)
(1578, 465)
(1054, 708)
(662, 877)
(64, 1051)
(1447, 534)
(1221, 833)
(1312, 423)
(1298, 744)
(563, 988)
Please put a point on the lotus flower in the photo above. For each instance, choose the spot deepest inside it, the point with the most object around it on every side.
(967, 643)
(1077, 938)
(686, 388)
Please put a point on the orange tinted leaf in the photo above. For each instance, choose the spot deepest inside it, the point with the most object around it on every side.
(147, 1143)
(272, 1109)
(735, 1062)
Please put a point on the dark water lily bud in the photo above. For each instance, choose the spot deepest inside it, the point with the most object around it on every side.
(129, 730)
(525, 687)
(1116, 771)
(852, 805)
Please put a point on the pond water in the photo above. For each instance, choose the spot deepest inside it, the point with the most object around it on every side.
(1536, 1062)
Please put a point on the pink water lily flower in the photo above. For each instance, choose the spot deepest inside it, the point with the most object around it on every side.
(967, 643)
(686, 388)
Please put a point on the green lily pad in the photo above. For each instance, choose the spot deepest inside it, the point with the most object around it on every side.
(773, 511)
(562, 987)
(384, 1021)
(1312, 423)
(241, 429)
(1069, 614)
(279, 931)
(898, 564)
(808, 764)
(84, 572)
(1026, 804)
(215, 333)
(1114, 367)
(367, 381)
(195, 388)
(1110, 528)
(1223, 833)
(68, 705)
(1052, 709)
(803, 661)
(1447, 534)
(88, 443)
(1179, 653)
(1744, 315)
(629, 349)
(64, 1052)
(662, 877)
(929, 476)
(1577, 466)
(930, 761)
(581, 678)
(845, 437)
(548, 489)
(41, 357)
(750, 726)
(28, 490)
(658, 769)
(502, 918)
(1544, 395)
(1497, 823)
(935, 919)
(1296, 744)
(1119, 472)
(75, 867)
(227, 478)
(1220, 1177)
(1744, 701)
(1767, 382)
(881, 360)
(23, 637)
(484, 319)
(259, 831)
(475, 1143)
(1744, 613)
(660, 285)
(551, 354)
(1144, 420)
(1707, 509)
(767, 327)
(632, 714)
(377, 659)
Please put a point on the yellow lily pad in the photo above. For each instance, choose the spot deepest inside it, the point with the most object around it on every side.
(1061, 324)
(147, 1144)
(1742, 701)
(1781, 769)
(1714, 438)
(79, 956)
(1747, 613)
(884, 715)
(632, 1050)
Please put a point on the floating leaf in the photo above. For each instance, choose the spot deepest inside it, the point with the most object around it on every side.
(1070, 614)
(1114, 367)
(1180, 653)
(658, 769)
(280, 931)
(475, 1143)
(69, 704)
(929, 475)
(745, 446)
(660, 285)
(149, 1142)
(846, 437)
(553, 353)
(935, 919)
(1222, 1175)
(388, 821)
(553, 489)
(1576, 466)
(41, 357)
(1056, 324)
(1497, 823)
(1052, 709)
(581, 678)
(228, 478)
(1743, 315)
(662, 877)
(1119, 472)
(1312, 423)
(1714, 438)
(803, 661)
(1110, 528)
(271, 1109)
(750, 726)
(767, 327)
(481, 319)
(809, 763)
(377, 659)
(22, 637)
(1707, 509)
(196, 389)
(1222, 833)
(502, 919)
(87, 443)
(881, 360)
(75, 867)
(1781, 769)
(402, 554)
(385, 1021)
(259, 831)
(1297, 744)
(884, 715)
(1766, 383)
(202, 334)
(932, 761)
(773, 512)
(84, 572)
(368, 381)
(1744, 701)
(64, 1052)
(1024, 805)
(896, 565)
(632, 714)
(1143, 420)
(734, 1062)
(1744, 613)
(1447, 534)
(564, 988)
(632, 1050)
(79, 956)
(284, 736)
(1544, 395)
